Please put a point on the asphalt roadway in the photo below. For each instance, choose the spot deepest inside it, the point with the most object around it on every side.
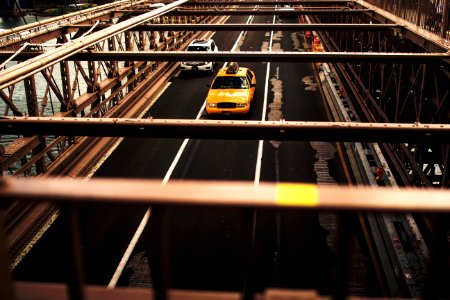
(292, 249)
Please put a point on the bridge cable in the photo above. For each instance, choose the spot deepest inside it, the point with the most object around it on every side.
(91, 29)
(35, 12)
(21, 13)
(25, 45)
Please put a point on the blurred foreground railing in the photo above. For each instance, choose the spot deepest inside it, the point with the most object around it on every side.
(69, 193)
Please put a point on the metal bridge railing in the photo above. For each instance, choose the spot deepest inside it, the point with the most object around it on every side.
(431, 15)
(25, 32)
(69, 193)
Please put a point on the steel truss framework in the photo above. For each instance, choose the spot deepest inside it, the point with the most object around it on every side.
(81, 88)
(107, 84)
(428, 14)
(397, 93)
(57, 83)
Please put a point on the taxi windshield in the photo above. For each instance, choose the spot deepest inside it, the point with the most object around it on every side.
(230, 82)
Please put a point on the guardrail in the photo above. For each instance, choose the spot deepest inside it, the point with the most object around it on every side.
(431, 15)
(69, 193)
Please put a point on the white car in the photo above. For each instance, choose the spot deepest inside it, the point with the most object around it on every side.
(156, 5)
(286, 9)
(206, 45)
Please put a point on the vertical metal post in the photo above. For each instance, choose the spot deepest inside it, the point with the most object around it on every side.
(129, 47)
(342, 254)
(93, 87)
(445, 19)
(436, 284)
(422, 88)
(446, 165)
(247, 239)
(33, 110)
(158, 252)
(113, 72)
(400, 9)
(76, 276)
(65, 79)
(398, 83)
(6, 285)
(419, 10)
(31, 95)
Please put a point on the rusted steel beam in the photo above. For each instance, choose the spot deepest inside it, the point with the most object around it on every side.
(252, 27)
(254, 56)
(8, 101)
(257, 56)
(413, 32)
(54, 21)
(281, 2)
(297, 11)
(22, 70)
(17, 149)
(55, 291)
(225, 193)
(228, 129)
(39, 32)
(6, 287)
(270, 26)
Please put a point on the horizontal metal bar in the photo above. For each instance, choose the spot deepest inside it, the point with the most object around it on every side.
(297, 11)
(281, 2)
(225, 193)
(251, 27)
(247, 56)
(28, 290)
(228, 129)
(259, 56)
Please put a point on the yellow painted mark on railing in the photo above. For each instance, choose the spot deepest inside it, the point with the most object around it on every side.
(290, 194)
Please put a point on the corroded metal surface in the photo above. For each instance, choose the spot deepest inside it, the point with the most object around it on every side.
(279, 56)
(81, 88)
(386, 93)
(228, 129)
(229, 193)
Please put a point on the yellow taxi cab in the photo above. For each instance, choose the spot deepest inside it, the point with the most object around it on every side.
(232, 91)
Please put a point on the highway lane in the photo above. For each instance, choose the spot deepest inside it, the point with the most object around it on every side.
(288, 258)
(136, 158)
(207, 256)
(183, 99)
(206, 252)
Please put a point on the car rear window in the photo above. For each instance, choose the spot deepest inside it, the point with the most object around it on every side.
(230, 82)
(198, 48)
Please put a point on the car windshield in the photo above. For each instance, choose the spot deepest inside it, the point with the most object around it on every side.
(198, 48)
(230, 82)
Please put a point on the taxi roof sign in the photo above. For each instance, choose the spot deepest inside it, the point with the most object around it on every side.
(233, 68)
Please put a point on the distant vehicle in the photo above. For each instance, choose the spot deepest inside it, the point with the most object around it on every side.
(286, 9)
(232, 91)
(201, 45)
(156, 5)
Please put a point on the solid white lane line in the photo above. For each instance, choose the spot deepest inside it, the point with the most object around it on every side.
(119, 140)
(146, 217)
(184, 144)
(129, 251)
(263, 117)
(180, 152)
